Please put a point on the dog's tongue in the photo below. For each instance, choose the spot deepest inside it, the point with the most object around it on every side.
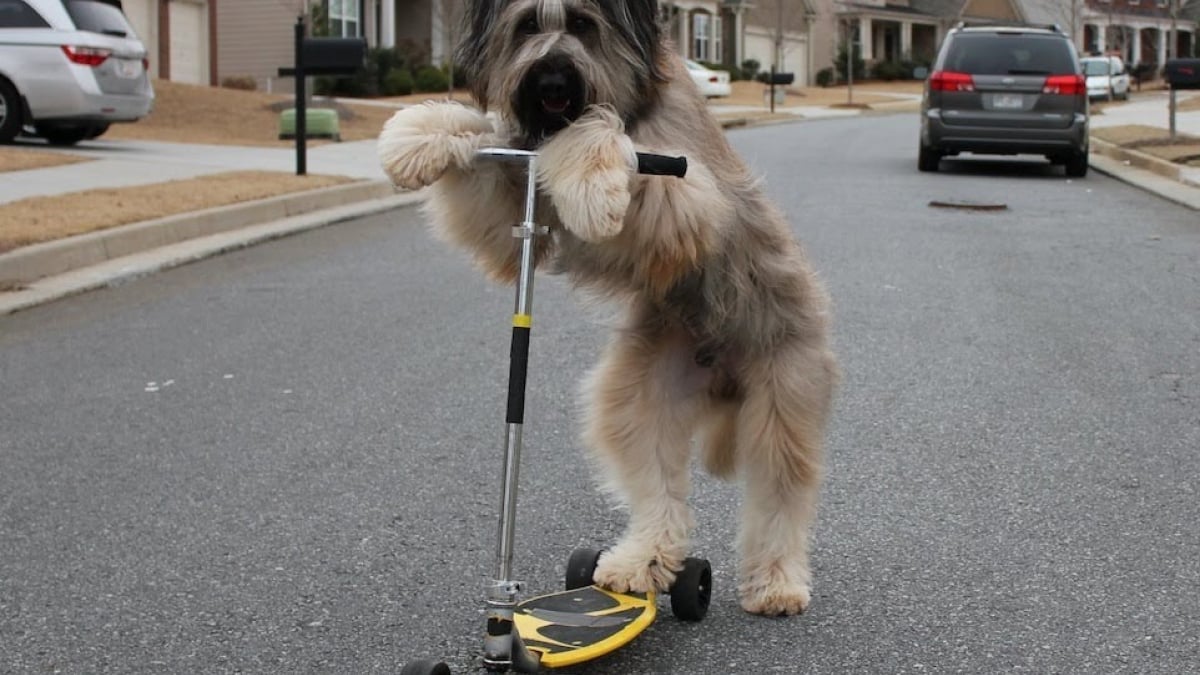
(555, 106)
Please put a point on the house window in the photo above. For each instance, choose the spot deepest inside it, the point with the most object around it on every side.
(344, 19)
(701, 42)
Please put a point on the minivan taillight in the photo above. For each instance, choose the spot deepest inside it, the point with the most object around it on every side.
(1065, 85)
(946, 80)
(86, 56)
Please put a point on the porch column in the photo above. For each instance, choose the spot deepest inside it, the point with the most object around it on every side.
(387, 32)
(1162, 46)
(685, 34)
(1101, 34)
(866, 38)
(906, 39)
(739, 37)
(1135, 53)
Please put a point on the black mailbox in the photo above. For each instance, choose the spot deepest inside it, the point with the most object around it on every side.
(780, 78)
(1183, 73)
(334, 56)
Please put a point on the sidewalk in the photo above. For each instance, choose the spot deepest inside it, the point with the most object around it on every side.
(32, 275)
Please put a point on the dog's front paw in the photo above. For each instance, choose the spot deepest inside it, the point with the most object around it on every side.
(632, 568)
(774, 593)
(418, 144)
(586, 169)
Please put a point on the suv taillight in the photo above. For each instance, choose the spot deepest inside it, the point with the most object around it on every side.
(86, 56)
(1065, 85)
(946, 80)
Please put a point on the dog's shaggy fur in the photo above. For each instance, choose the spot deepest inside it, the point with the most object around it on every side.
(725, 333)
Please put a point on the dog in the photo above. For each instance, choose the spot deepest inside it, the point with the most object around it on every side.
(725, 333)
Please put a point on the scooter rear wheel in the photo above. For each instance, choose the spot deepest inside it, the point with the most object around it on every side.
(425, 667)
(692, 590)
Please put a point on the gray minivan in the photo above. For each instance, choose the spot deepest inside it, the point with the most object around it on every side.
(69, 68)
(1006, 90)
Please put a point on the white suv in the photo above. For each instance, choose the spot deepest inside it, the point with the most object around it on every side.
(1107, 77)
(68, 69)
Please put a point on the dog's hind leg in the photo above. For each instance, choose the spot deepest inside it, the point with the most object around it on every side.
(780, 431)
(645, 397)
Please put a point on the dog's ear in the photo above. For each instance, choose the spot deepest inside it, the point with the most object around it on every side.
(477, 20)
(640, 24)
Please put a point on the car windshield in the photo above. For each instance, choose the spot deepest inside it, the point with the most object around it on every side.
(95, 16)
(991, 54)
(1095, 67)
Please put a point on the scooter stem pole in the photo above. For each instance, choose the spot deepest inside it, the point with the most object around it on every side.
(502, 647)
(518, 368)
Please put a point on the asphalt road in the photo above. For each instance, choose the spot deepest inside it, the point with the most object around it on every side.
(285, 459)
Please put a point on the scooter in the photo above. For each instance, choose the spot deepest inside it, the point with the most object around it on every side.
(584, 621)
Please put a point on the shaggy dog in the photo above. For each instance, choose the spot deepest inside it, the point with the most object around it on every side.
(725, 329)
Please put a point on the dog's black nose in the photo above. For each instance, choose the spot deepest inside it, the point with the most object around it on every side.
(552, 85)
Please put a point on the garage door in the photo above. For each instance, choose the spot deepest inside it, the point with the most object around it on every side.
(760, 46)
(189, 42)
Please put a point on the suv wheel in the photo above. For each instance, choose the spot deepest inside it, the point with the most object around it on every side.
(1077, 164)
(928, 158)
(10, 112)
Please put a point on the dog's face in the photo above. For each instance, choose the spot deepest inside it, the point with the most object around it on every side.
(540, 63)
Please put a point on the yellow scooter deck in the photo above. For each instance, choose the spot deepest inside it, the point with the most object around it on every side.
(579, 625)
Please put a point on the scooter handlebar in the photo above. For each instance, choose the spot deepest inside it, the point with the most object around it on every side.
(661, 165)
(647, 163)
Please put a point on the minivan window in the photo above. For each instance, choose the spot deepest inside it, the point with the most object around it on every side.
(17, 14)
(1009, 55)
(98, 17)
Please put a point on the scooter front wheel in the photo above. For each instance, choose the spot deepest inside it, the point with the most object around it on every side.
(581, 567)
(425, 667)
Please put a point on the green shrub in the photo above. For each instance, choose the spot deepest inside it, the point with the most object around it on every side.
(839, 63)
(431, 79)
(398, 82)
(750, 68)
(890, 70)
(824, 77)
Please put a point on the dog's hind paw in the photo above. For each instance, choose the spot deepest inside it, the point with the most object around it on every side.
(586, 169)
(774, 596)
(638, 571)
(418, 144)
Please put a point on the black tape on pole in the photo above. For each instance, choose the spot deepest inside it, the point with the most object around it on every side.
(518, 368)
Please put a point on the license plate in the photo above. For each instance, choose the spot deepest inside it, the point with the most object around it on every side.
(1008, 101)
(128, 68)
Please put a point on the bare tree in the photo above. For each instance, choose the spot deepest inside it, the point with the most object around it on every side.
(1068, 14)
(447, 21)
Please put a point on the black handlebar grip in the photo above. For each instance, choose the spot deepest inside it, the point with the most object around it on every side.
(661, 165)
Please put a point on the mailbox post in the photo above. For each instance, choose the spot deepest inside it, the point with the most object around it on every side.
(1181, 74)
(318, 56)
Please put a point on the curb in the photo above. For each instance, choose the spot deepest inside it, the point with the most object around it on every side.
(30, 263)
(1157, 176)
(70, 266)
(1141, 160)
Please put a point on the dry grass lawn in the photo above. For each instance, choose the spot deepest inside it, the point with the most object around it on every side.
(16, 159)
(1184, 149)
(186, 113)
(37, 219)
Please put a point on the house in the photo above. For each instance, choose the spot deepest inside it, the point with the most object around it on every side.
(180, 36)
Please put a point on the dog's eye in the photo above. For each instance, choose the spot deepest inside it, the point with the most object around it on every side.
(528, 26)
(579, 25)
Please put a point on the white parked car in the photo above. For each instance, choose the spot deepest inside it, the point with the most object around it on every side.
(1107, 77)
(712, 83)
(69, 68)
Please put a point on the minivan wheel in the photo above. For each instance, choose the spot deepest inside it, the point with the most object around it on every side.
(1077, 164)
(10, 112)
(56, 135)
(928, 158)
